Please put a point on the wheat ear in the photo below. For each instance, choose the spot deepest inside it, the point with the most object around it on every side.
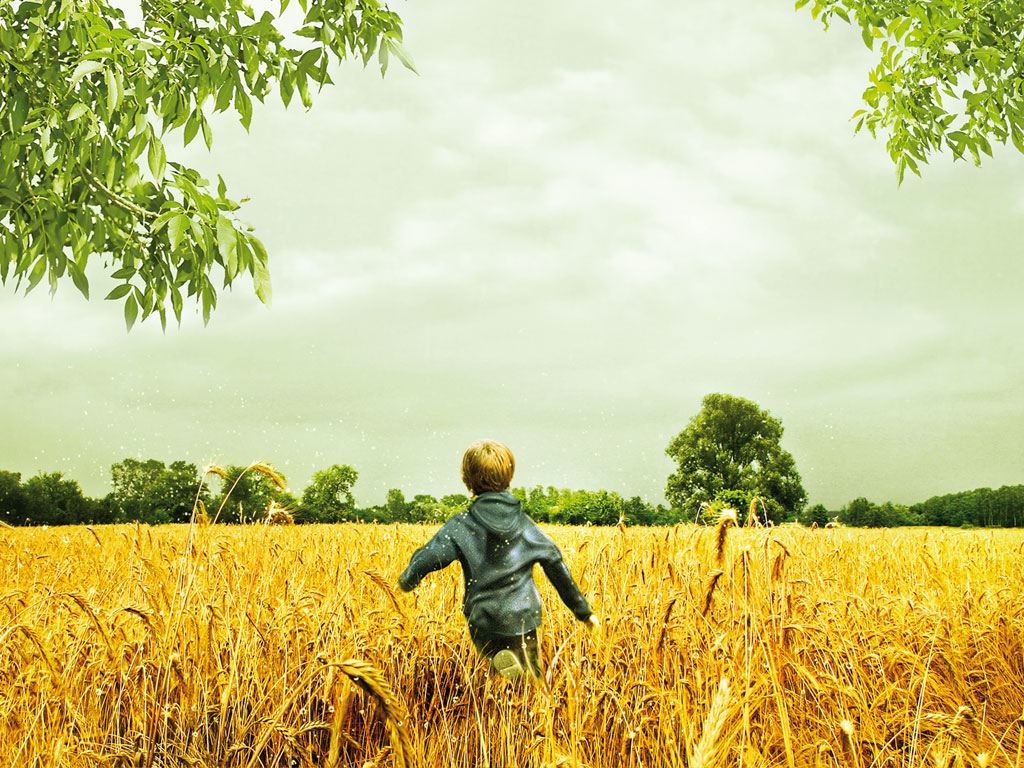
(705, 751)
(371, 680)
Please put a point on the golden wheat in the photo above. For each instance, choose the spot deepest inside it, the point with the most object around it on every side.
(202, 646)
(706, 752)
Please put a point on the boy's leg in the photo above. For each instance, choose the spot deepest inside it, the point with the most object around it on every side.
(530, 651)
(501, 652)
(481, 641)
(510, 655)
(519, 656)
(507, 664)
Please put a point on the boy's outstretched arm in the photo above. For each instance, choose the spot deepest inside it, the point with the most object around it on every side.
(436, 554)
(558, 574)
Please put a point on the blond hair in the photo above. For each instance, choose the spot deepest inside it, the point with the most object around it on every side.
(487, 465)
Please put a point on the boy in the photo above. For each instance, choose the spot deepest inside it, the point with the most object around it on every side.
(497, 546)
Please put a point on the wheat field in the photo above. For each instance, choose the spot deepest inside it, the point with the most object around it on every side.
(288, 646)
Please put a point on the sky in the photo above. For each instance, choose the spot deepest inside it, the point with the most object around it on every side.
(562, 234)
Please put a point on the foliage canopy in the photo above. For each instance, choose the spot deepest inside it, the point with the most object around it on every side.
(88, 100)
(950, 74)
(733, 445)
(148, 490)
(328, 498)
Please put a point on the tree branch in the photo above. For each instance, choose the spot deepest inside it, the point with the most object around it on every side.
(115, 198)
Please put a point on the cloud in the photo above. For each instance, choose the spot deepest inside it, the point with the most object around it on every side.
(564, 233)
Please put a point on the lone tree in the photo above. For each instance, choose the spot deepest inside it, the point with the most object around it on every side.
(950, 74)
(733, 445)
(88, 99)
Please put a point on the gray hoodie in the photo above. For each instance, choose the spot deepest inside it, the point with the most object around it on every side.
(497, 545)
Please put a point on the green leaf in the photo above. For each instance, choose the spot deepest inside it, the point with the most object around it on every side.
(207, 133)
(245, 257)
(119, 292)
(227, 244)
(244, 106)
(867, 37)
(136, 145)
(19, 111)
(399, 50)
(972, 147)
(231, 265)
(309, 59)
(1018, 139)
(303, 85)
(84, 69)
(113, 91)
(209, 302)
(197, 230)
(162, 220)
(78, 278)
(191, 129)
(176, 303)
(76, 111)
(38, 270)
(224, 96)
(156, 156)
(131, 312)
(287, 86)
(53, 275)
(176, 229)
(261, 274)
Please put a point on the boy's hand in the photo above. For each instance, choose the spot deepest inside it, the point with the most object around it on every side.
(593, 622)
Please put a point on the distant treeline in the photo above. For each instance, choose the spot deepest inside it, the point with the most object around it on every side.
(153, 492)
(982, 507)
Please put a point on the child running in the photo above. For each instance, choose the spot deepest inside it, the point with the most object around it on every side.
(497, 545)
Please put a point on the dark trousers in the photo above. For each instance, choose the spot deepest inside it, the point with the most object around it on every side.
(524, 647)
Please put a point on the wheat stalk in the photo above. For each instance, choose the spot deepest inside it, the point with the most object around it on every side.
(268, 471)
(726, 518)
(706, 752)
(709, 591)
(370, 679)
(664, 623)
(381, 582)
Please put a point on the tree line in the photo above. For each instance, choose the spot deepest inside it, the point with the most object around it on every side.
(153, 492)
(983, 507)
(729, 455)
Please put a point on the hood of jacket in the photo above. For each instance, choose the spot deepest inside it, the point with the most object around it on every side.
(499, 512)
